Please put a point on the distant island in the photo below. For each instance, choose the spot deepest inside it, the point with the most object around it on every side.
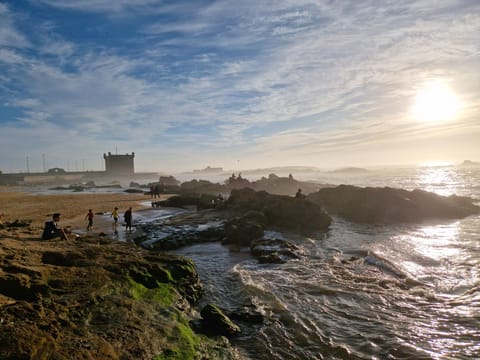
(281, 170)
(469, 163)
(209, 170)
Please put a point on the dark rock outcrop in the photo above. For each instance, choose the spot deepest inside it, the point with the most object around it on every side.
(274, 251)
(280, 210)
(215, 322)
(273, 184)
(201, 201)
(388, 205)
(242, 231)
(201, 186)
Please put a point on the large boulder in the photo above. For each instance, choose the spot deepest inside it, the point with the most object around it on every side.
(388, 205)
(280, 210)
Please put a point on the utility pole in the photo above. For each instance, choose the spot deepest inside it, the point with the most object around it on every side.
(44, 164)
(28, 164)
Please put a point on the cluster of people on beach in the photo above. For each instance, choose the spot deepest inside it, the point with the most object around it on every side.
(52, 230)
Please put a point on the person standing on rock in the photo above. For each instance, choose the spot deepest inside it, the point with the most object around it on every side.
(115, 217)
(128, 217)
(89, 217)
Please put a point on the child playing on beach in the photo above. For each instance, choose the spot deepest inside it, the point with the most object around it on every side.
(115, 217)
(89, 217)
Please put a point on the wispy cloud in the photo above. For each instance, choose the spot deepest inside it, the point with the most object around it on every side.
(100, 5)
(283, 78)
(9, 35)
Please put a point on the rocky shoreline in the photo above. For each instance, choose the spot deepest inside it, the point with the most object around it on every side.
(95, 298)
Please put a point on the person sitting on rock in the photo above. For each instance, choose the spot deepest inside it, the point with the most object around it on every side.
(299, 194)
(52, 230)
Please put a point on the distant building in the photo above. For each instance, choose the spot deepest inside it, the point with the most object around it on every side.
(119, 164)
(115, 165)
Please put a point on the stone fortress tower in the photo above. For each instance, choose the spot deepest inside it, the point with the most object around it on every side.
(119, 164)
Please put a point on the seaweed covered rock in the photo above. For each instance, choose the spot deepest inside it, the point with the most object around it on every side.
(280, 210)
(389, 205)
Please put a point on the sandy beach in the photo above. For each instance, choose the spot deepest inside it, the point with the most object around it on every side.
(16, 205)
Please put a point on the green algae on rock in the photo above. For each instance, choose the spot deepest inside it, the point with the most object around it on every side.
(85, 300)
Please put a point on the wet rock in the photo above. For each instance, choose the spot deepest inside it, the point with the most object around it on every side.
(388, 205)
(241, 231)
(215, 322)
(274, 251)
(272, 258)
(249, 313)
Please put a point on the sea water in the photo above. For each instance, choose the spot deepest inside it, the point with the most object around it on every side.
(404, 291)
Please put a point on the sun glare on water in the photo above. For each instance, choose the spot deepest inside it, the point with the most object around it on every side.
(436, 102)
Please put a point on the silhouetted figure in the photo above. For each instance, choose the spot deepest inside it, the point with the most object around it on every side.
(299, 194)
(89, 217)
(128, 217)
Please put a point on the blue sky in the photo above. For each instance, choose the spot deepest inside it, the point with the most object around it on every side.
(238, 84)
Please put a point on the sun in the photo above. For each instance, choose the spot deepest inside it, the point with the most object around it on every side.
(436, 102)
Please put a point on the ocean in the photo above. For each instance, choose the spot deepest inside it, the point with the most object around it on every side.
(404, 291)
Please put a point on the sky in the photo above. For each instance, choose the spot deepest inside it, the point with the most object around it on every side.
(237, 84)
